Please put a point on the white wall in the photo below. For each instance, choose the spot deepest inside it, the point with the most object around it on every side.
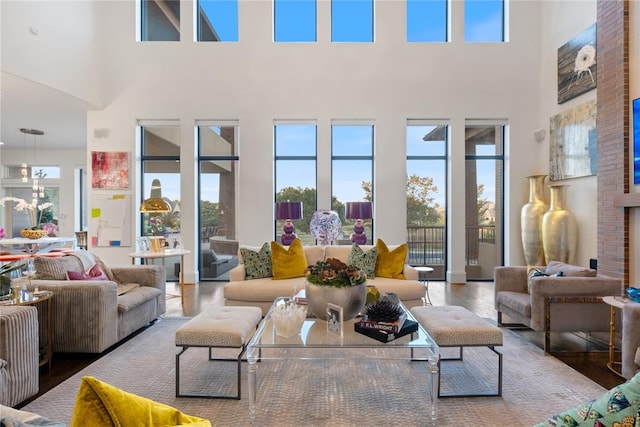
(256, 81)
(563, 20)
(64, 54)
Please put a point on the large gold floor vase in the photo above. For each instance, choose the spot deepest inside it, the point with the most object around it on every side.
(559, 228)
(531, 221)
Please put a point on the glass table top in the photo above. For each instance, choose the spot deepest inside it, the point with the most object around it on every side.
(315, 333)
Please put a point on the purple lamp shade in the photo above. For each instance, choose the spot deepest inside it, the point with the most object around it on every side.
(358, 210)
(289, 210)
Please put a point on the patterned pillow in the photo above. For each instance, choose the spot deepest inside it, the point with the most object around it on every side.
(257, 264)
(366, 261)
(617, 407)
(56, 268)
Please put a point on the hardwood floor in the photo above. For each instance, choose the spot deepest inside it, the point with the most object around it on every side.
(588, 356)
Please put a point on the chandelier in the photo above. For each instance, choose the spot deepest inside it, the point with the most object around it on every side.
(37, 190)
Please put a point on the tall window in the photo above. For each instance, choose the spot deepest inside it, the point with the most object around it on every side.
(159, 20)
(352, 21)
(427, 194)
(352, 172)
(427, 20)
(295, 146)
(217, 20)
(161, 160)
(484, 21)
(294, 20)
(218, 163)
(484, 175)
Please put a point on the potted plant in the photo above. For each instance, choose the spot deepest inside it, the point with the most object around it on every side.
(335, 282)
(5, 276)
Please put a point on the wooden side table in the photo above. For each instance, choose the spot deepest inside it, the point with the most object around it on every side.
(37, 299)
(614, 303)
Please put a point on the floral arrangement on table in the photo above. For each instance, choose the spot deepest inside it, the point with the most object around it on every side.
(334, 272)
(33, 209)
(2, 233)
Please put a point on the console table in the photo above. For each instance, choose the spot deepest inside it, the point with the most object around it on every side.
(147, 255)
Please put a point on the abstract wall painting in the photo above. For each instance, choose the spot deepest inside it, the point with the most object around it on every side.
(573, 143)
(636, 141)
(577, 65)
(110, 219)
(110, 170)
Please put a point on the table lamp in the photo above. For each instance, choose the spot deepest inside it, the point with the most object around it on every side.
(358, 211)
(288, 211)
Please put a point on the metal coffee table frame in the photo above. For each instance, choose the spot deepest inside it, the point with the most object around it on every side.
(418, 346)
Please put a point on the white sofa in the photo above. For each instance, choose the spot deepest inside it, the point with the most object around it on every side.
(262, 292)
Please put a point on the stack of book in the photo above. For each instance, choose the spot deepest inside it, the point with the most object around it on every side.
(386, 331)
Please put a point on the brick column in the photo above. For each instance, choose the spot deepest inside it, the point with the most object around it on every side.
(613, 136)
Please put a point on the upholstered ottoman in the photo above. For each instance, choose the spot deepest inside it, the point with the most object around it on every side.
(455, 326)
(217, 327)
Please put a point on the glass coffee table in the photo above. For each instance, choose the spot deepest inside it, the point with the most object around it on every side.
(315, 336)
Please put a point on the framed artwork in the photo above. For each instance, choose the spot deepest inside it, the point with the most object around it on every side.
(636, 141)
(174, 241)
(110, 219)
(577, 65)
(110, 170)
(142, 244)
(334, 318)
(573, 143)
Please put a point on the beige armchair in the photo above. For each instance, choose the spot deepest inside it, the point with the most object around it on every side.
(19, 371)
(512, 298)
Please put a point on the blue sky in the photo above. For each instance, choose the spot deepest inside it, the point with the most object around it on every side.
(352, 20)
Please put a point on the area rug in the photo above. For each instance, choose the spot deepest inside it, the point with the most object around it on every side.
(335, 392)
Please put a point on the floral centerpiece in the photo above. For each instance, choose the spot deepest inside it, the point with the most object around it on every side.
(334, 272)
(35, 211)
(332, 281)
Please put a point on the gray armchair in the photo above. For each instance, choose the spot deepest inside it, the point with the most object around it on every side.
(512, 298)
(630, 339)
(19, 371)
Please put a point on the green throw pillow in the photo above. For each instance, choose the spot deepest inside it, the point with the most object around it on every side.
(617, 407)
(257, 264)
(366, 261)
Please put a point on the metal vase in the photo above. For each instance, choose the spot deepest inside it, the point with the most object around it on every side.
(350, 298)
(559, 229)
(531, 221)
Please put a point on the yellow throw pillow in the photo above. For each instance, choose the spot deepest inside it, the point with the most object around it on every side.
(286, 264)
(390, 263)
(101, 404)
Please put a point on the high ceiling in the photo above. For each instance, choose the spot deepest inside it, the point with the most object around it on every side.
(26, 104)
